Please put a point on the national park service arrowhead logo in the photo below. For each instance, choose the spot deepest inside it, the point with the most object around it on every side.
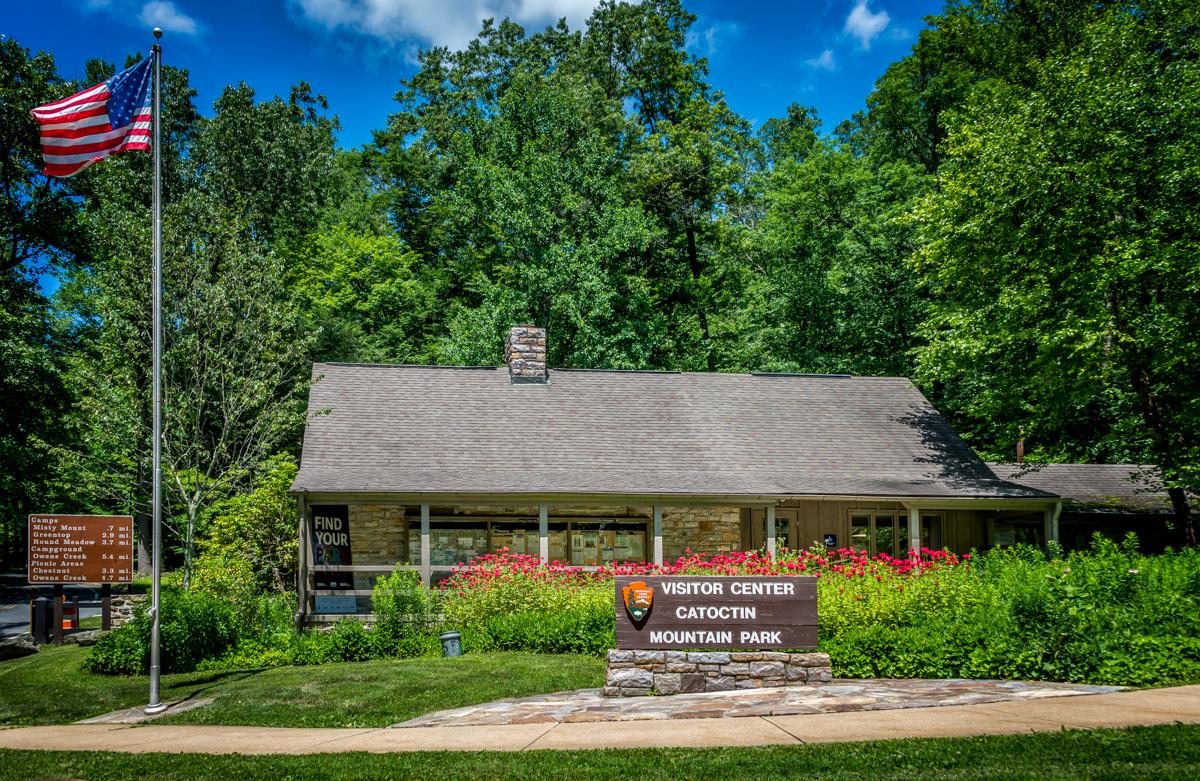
(639, 598)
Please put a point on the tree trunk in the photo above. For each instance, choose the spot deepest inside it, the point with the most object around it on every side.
(1183, 515)
(701, 313)
(189, 538)
(143, 521)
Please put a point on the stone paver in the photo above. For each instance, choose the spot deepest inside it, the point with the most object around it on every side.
(1032, 712)
(587, 705)
(138, 715)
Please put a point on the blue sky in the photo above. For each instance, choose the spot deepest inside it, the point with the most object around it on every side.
(763, 55)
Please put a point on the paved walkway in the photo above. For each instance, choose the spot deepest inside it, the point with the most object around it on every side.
(837, 697)
(1123, 709)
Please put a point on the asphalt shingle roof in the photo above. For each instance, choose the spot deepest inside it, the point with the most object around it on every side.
(423, 429)
(1127, 487)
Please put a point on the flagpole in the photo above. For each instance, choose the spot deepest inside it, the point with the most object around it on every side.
(156, 705)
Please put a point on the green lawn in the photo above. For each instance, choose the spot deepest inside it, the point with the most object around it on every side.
(50, 688)
(1143, 753)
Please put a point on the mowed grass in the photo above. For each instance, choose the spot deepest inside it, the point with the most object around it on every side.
(1171, 752)
(51, 688)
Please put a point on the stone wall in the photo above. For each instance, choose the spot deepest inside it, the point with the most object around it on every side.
(378, 534)
(123, 607)
(701, 529)
(638, 673)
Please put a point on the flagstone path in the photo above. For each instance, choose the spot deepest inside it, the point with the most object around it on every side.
(841, 696)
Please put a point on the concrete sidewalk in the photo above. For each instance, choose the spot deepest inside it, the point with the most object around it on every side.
(1124, 709)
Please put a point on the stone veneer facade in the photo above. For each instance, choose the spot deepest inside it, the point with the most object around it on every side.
(639, 673)
(700, 529)
(124, 607)
(379, 532)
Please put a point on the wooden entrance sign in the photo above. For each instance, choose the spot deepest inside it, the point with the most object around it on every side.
(717, 612)
(80, 549)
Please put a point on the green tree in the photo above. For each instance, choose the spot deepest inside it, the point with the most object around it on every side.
(255, 532)
(1061, 249)
(830, 290)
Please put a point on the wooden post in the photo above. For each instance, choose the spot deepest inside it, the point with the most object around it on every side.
(39, 623)
(426, 566)
(106, 606)
(771, 532)
(914, 533)
(544, 533)
(302, 567)
(658, 540)
(58, 614)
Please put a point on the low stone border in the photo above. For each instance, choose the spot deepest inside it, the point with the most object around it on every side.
(638, 673)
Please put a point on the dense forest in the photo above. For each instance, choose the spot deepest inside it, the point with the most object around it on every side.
(1011, 221)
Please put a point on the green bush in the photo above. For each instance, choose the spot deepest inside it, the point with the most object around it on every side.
(348, 641)
(562, 632)
(404, 614)
(193, 627)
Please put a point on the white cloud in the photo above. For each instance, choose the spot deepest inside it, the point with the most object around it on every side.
(155, 13)
(165, 14)
(865, 25)
(707, 41)
(823, 61)
(450, 23)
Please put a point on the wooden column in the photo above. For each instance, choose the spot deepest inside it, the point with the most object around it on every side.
(426, 566)
(658, 541)
(303, 565)
(544, 533)
(914, 533)
(1054, 521)
(771, 532)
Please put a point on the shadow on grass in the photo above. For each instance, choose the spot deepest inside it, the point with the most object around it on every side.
(213, 680)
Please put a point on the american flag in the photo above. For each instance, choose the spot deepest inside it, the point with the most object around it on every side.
(103, 120)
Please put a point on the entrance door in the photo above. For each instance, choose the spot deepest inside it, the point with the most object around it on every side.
(786, 532)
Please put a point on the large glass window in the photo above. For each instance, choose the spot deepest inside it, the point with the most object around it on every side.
(885, 534)
(879, 532)
(782, 532)
(1015, 531)
(520, 537)
(450, 542)
(586, 542)
(860, 532)
(600, 542)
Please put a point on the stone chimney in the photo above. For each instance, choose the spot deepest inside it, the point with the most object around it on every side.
(525, 354)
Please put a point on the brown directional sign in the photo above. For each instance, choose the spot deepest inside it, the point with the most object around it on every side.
(726, 612)
(80, 549)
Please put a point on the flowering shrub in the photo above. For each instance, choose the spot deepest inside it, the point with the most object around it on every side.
(1109, 615)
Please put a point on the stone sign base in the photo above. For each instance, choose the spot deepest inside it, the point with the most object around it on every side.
(638, 673)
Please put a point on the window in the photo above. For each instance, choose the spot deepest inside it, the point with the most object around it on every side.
(879, 532)
(585, 542)
(783, 527)
(601, 542)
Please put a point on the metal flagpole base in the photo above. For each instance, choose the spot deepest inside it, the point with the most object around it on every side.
(154, 710)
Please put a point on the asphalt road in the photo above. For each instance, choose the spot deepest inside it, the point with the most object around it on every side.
(15, 597)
